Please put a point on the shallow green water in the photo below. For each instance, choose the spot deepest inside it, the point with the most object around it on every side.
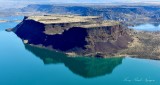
(25, 65)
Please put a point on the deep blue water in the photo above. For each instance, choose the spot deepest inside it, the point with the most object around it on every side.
(25, 65)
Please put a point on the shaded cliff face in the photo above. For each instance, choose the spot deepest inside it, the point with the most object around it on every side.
(85, 67)
(74, 39)
(33, 32)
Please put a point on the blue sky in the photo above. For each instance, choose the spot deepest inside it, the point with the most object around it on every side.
(21, 3)
(76, 1)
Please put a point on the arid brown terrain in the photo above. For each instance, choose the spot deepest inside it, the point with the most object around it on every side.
(145, 45)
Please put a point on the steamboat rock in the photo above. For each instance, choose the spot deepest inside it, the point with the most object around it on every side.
(74, 35)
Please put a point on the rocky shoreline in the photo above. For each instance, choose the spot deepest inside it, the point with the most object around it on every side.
(145, 45)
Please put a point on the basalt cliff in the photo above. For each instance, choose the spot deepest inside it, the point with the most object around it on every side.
(74, 35)
(87, 36)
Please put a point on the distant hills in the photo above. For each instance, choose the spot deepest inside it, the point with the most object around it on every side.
(119, 13)
(125, 13)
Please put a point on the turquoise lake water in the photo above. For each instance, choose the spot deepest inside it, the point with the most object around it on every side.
(25, 65)
(148, 27)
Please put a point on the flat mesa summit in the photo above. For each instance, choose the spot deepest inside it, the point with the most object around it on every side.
(78, 35)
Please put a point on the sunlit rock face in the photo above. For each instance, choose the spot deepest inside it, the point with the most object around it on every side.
(80, 35)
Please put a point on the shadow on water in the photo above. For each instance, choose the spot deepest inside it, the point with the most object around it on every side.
(85, 67)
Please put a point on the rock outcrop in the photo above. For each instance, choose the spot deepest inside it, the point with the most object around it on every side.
(74, 35)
